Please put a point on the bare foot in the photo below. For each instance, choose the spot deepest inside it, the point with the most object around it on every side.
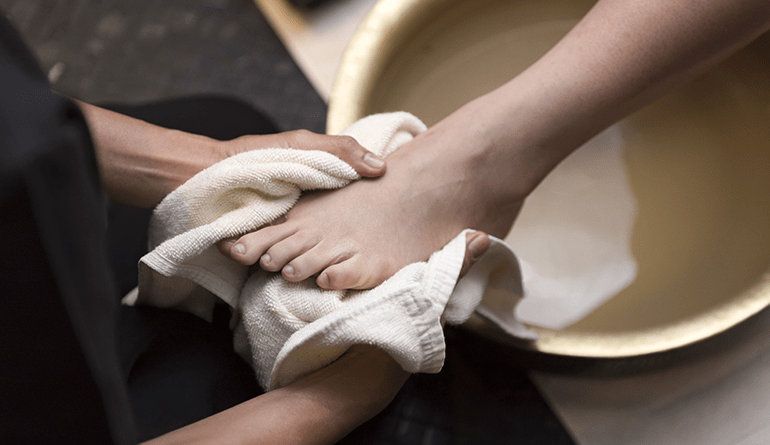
(476, 245)
(358, 236)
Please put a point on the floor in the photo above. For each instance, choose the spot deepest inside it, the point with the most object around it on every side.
(142, 50)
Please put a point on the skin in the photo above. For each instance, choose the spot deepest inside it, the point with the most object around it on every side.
(318, 409)
(476, 167)
(141, 163)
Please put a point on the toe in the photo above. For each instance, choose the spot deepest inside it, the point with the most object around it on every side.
(225, 245)
(311, 262)
(351, 274)
(250, 247)
(476, 245)
(279, 254)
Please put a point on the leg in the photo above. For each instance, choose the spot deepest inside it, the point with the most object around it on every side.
(475, 167)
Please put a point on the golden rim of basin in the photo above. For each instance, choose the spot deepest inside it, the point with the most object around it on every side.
(698, 161)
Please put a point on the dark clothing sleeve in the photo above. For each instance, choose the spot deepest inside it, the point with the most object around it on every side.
(60, 366)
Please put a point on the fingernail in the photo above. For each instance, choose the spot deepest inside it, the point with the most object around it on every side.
(374, 161)
(266, 258)
(288, 270)
(239, 248)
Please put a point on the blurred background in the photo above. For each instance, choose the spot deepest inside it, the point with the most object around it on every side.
(142, 50)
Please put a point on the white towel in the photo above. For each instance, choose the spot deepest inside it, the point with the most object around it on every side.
(291, 329)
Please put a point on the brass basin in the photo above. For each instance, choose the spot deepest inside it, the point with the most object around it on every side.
(698, 161)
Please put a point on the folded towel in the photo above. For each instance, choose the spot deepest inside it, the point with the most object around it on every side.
(291, 329)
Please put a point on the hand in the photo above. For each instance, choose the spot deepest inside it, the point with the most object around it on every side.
(364, 162)
(141, 163)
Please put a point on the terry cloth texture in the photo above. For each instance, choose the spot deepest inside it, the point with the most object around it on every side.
(291, 329)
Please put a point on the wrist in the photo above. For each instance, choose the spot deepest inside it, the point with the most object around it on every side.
(188, 153)
(361, 382)
(140, 163)
(163, 161)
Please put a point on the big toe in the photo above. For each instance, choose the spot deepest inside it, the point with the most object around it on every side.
(352, 274)
(476, 245)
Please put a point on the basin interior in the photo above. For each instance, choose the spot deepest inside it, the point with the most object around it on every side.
(698, 159)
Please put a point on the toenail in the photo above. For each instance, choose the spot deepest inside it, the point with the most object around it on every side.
(474, 248)
(288, 270)
(239, 248)
(266, 258)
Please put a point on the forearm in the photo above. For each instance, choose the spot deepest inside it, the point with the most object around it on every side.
(141, 163)
(621, 56)
(318, 409)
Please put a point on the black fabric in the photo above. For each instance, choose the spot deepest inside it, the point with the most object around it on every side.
(64, 379)
(479, 398)
(50, 394)
(182, 369)
(14, 53)
(62, 382)
(218, 117)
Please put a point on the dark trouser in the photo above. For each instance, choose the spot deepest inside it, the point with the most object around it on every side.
(64, 268)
